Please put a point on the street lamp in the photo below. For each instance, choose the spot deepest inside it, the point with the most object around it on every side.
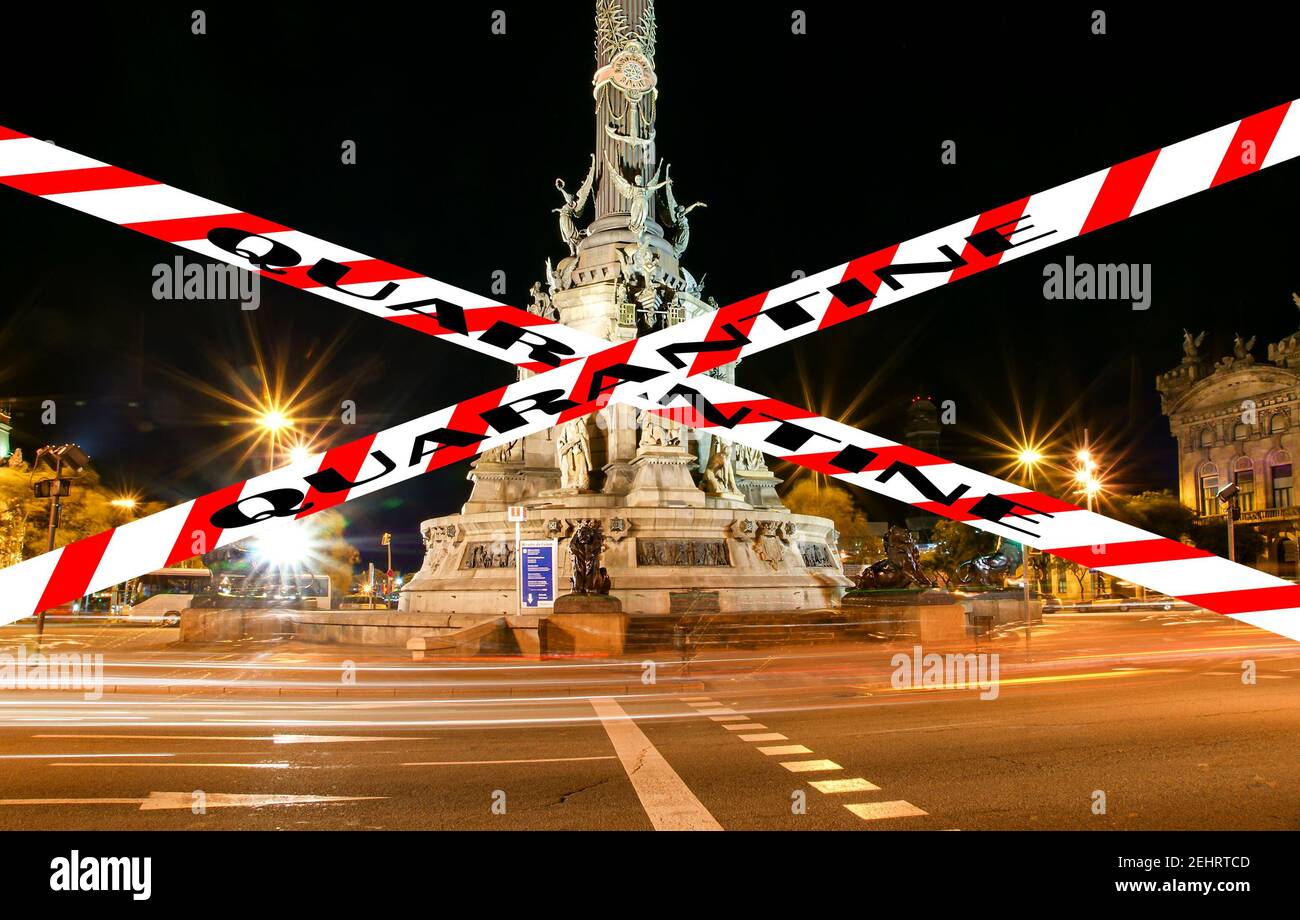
(1028, 457)
(56, 458)
(1228, 495)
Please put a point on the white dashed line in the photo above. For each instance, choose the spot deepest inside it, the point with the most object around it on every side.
(783, 749)
(729, 718)
(744, 727)
(876, 811)
(810, 766)
(835, 786)
(765, 736)
(718, 711)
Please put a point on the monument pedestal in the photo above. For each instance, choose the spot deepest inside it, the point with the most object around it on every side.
(930, 615)
(585, 624)
(759, 488)
(662, 476)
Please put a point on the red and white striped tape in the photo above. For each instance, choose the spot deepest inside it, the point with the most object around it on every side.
(655, 365)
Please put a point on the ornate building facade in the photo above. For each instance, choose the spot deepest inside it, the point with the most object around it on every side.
(1235, 420)
(680, 512)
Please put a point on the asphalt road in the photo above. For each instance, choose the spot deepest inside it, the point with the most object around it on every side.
(1150, 713)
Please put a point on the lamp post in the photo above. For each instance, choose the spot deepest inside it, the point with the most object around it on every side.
(56, 458)
(1029, 458)
(1229, 496)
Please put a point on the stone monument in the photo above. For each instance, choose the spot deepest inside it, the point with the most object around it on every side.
(678, 512)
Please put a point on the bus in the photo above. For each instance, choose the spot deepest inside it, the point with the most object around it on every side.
(160, 596)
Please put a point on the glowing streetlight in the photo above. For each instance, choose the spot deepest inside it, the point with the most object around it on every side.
(125, 502)
(274, 420)
(299, 452)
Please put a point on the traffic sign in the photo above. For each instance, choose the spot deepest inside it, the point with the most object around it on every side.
(516, 514)
(537, 573)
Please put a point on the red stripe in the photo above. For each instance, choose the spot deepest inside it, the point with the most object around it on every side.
(347, 460)
(1119, 192)
(862, 269)
(467, 416)
(1248, 600)
(960, 509)
(199, 520)
(72, 573)
(615, 354)
(9, 134)
(730, 314)
(363, 270)
(92, 179)
(1132, 552)
(1261, 129)
(1005, 218)
(183, 229)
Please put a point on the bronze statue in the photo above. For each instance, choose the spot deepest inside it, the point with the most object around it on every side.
(991, 569)
(901, 566)
(584, 557)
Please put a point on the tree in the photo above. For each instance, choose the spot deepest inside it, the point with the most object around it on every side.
(24, 519)
(1159, 512)
(835, 502)
(954, 543)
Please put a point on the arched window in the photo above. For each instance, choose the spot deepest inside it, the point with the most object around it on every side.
(1240, 431)
(1207, 488)
(1276, 423)
(1243, 474)
(1207, 437)
(1279, 477)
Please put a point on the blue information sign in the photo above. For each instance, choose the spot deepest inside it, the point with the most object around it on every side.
(537, 573)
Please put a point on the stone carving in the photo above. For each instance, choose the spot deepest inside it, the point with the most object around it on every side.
(901, 566)
(639, 194)
(1191, 346)
(584, 557)
(573, 207)
(719, 475)
(748, 459)
(659, 430)
(498, 554)
(1240, 349)
(769, 545)
(682, 552)
(816, 556)
(16, 459)
(677, 215)
(540, 302)
(509, 452)
(573, 451)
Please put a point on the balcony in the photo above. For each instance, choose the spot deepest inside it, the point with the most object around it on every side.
(1258, 516)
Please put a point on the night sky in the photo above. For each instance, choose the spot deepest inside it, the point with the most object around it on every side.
(810, 150)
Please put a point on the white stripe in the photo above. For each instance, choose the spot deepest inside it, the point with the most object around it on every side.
(22, 585)
(1062, 209)
(811, 766)
(143, 544)
(1185, 168)
(668, 802)
(837, 786)
(877, 811)
(24, 156)
(1286, 143)
(139, 203)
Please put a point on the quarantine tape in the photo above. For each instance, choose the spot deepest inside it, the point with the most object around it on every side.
(660, 371)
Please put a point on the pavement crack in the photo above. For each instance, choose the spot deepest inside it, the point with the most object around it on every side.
(565, 796)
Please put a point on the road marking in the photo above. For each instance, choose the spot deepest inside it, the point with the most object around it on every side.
(276, 739)
(719, 711)
(836, 786)
(668, 802)
(480, 763)
(765, 736)
(163, 800)
(729, 718)
(696, 699)
(251, 766)
(810, 766)
(69, 756)
(743, 727)
(876, 811)
(785, 749)
(704, 703)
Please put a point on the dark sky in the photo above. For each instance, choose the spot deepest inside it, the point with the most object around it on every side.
(809, 150)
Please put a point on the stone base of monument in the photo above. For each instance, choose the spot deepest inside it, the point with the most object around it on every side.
(584, 624)
(929, 615)
(996, 608)
(212, 624)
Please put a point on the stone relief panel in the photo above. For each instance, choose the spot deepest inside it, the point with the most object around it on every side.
(682, 552)
(816, 556)
(498, 554)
